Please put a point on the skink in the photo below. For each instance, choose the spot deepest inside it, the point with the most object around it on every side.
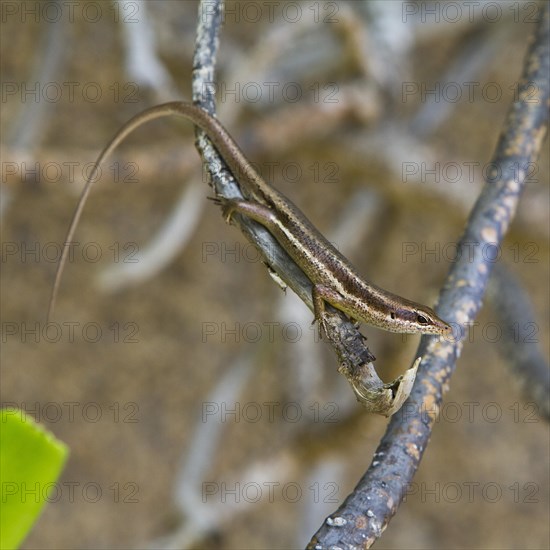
(335, 281)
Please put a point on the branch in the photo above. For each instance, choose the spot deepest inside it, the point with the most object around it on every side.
(140, 57)
(366, 512)
(48, 65)
(354, 356)
(522, 352)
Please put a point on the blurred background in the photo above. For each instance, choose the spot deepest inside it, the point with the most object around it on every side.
(199, 407)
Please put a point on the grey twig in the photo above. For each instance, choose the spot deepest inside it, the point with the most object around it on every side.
(47, 67)
(366, 512)
(140, 58)
(519, 348)
(170, 239)
(354, 356)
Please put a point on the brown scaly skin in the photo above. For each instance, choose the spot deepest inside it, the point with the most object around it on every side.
(335, 280)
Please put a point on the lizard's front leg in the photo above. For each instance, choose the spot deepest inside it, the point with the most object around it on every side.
(253, 210)
(323, 294)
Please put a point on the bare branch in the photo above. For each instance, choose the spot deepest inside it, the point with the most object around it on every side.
(140, 58)
(366, 512)
(354, 356)
(522, 352)
(48, 66)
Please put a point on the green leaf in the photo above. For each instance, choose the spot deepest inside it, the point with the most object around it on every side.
(31, 460)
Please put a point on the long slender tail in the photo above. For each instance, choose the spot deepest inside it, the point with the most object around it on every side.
(166, 109)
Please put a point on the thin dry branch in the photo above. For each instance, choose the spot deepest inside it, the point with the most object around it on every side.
(48, 66)
(522, 352)
(354, 356)
(366, 512)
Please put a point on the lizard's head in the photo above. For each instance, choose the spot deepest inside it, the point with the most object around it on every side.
(419, 319)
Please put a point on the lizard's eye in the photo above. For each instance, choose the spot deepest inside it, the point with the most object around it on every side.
(422, 320)
(392, 314)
